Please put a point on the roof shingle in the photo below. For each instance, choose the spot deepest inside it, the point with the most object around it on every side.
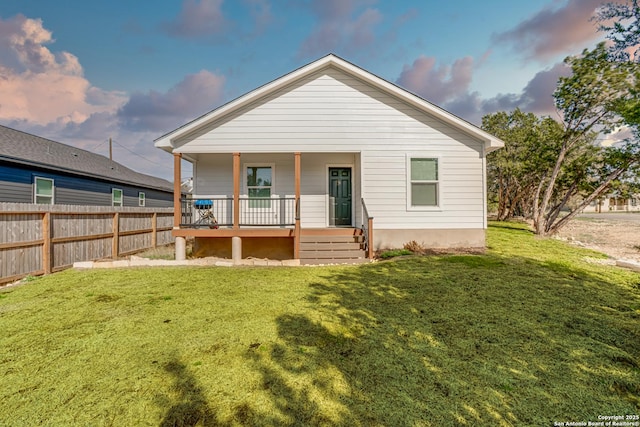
(21, 147)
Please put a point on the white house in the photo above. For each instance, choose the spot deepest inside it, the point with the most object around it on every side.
(330, 150)
(614, 203)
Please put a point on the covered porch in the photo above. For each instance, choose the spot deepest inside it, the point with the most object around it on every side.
(282, 205)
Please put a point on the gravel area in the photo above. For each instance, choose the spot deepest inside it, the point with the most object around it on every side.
(617, 235)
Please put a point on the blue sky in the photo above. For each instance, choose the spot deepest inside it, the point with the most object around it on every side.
(79, 72)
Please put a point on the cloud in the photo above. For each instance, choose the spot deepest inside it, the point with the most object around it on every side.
(536, 97)
(554, 31)
(45, 93)
(438, 84)
(41, 86)
(342, 26)
(448, 86)
(155, 111)
(198, 18)
(260, 11)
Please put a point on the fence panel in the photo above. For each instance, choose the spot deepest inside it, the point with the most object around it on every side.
(35, 239)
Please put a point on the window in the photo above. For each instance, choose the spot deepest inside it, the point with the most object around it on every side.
(423, 182)
(116, 197)
(141, 201)
(43, 191)
(259, 185)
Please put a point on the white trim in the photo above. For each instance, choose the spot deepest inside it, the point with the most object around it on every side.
(244, 191)
(35, 189)
(327, 177)
(143, 199)
(439, 188)
(113, 200)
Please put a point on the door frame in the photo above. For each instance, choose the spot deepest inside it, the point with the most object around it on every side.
(326, 183)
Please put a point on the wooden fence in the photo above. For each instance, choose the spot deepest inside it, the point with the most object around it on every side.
(41, 239)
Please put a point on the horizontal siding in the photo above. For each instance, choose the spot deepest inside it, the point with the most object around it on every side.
(16, 192)
(313, 211)
(460, 190)
(328, 112)
(16, 186)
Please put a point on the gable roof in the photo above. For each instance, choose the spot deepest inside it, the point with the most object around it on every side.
(491, 143)
(26, 149)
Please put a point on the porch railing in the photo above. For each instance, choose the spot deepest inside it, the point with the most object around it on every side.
(367, 230)
(210, 212)
(216, 212)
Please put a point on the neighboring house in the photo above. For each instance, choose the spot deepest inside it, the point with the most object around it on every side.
(318, 153)
(38, 170)
(615, 203)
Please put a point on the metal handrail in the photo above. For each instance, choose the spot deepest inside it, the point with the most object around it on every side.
(367, 230)
(215, 212)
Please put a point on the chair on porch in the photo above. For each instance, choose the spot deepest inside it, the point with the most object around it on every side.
(204, 207)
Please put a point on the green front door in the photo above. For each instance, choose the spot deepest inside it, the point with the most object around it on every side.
(340, 194)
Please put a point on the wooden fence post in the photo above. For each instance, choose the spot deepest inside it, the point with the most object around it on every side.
(116, 235)
(154, 234)
(47, 264)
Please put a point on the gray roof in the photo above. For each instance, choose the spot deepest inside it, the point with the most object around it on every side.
(27, 149)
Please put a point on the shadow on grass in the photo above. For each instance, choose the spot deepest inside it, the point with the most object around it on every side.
(190, 407)
(459, 340)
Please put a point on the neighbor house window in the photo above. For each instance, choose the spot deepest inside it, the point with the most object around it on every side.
(423, 182)
(43, 191)
(116, 197)
(259, 185)
(141, 201)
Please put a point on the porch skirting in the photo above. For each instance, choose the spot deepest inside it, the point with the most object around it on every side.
(275, 248)
(435, 238)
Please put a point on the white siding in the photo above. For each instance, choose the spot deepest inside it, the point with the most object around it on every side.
(325, 112)
(331, 112)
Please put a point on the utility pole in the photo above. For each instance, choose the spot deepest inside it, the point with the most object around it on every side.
(110, 150)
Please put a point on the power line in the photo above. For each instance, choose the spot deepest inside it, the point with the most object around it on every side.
(136, 154)
(98, 146)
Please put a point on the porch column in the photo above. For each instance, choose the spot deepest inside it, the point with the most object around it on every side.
(181, 242)
(296, 235)
(177, 176)
(236, 190)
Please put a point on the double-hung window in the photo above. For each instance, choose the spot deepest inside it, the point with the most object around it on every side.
(141, 199)
(423, 182)
(116, 197)
(259, 186)
(43, 191)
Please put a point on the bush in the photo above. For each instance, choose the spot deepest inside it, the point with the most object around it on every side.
(394, 253)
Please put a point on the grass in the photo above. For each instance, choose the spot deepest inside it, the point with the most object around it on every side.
(526, 334)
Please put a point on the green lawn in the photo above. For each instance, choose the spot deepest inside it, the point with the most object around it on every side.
(527, 334)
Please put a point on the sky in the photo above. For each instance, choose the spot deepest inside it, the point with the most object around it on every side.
(80, 72)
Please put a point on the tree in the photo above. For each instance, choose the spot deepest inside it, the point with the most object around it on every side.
(551, 164)
(593, 99)
(624, 32)
(514, 171)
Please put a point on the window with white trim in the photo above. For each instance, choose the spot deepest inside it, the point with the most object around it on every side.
(259, 180)
(43, 190)
(116, 197)
(141, 199)
(423, 182)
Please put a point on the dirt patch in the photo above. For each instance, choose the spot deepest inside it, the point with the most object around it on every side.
(618, 238)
